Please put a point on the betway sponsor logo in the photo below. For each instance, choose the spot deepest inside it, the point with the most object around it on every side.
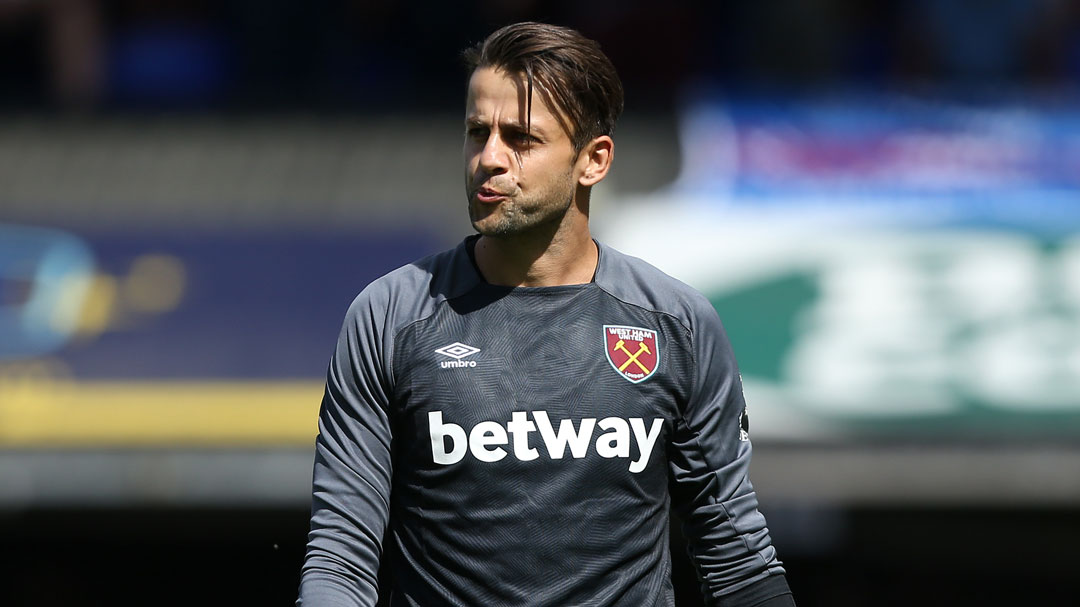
(450, 442)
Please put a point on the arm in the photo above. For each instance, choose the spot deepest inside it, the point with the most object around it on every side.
(710, 486)
(352, 473)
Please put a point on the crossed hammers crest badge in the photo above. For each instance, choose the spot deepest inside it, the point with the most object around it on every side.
(632, 351)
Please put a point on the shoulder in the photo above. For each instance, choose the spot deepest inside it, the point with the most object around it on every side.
(637, 282)
(412, 291)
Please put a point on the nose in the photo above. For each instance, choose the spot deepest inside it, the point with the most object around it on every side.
(494, 156)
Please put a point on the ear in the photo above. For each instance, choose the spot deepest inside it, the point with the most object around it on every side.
(594, 161)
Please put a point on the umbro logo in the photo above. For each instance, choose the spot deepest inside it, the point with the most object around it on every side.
(457, 351)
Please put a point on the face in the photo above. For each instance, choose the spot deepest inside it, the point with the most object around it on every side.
(517, 178)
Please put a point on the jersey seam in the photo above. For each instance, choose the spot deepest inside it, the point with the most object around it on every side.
(425, 264)
(647, 309)
(403, 328)
(695, 438)
(434, 310)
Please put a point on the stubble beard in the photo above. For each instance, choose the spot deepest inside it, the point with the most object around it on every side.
(514, 217)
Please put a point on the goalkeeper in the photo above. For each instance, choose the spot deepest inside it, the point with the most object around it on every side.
(509, 422)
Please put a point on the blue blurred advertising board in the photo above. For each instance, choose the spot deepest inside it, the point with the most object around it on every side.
(176, 338)
(885, 267)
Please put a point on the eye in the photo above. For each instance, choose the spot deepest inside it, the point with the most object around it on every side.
(521, 138)
(477, 133)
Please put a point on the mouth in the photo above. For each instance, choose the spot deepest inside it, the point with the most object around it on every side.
(489, 196)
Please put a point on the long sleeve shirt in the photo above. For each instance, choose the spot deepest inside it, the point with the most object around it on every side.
(491, 445)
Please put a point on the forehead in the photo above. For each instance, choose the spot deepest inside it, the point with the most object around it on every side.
(495, 95)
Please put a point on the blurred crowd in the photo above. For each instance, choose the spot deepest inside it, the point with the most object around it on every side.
(106, 55)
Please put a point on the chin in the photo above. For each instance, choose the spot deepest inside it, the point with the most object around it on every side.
(495, 231)
(494, 223)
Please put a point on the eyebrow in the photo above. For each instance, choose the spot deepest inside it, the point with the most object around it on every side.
(508, 123)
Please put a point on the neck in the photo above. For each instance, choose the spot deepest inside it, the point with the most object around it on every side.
(566, 255)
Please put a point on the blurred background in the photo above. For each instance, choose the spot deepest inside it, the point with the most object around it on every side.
(879, 197)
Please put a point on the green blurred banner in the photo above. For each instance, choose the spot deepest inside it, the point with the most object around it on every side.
(865, 305)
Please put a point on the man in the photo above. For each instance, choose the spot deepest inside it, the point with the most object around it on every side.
(505, 422)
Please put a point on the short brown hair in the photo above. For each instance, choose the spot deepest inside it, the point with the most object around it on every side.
(572, 74)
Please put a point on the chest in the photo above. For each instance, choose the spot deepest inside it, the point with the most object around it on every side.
(577, 376)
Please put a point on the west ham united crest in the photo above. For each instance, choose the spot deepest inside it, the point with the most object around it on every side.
(632, 351)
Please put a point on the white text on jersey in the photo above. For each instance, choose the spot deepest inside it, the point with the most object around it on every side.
(485, 437)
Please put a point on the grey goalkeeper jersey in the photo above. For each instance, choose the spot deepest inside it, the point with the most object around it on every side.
(521, 446)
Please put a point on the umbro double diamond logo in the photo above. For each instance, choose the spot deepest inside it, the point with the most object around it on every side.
(457, 351)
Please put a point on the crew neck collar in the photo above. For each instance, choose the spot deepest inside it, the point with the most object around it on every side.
(469, 245)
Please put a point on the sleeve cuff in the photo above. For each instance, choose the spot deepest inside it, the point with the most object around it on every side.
(772, 591)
